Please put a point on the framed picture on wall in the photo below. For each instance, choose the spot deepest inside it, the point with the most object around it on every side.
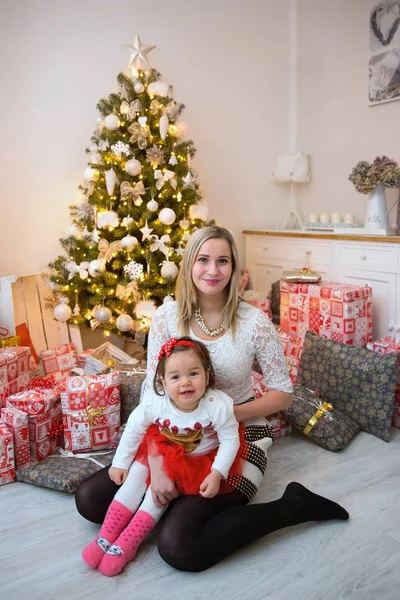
(384, 51)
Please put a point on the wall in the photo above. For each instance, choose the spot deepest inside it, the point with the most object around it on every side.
(335, 124)
(227, 61)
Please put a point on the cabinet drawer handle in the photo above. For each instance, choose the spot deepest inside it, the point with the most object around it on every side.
(268, 271)
(397, 328)
(265, 248)
(363, 257)
(390, 327)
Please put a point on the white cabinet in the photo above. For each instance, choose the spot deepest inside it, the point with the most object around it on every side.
(360, 262)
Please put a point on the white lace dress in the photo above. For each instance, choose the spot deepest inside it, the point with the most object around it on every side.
(233, 358)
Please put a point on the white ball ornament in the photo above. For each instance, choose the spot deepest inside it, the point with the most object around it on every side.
(97, 268)
(111, 122)
(62, 312)
(168, 299)
(138, 87)
(152, 205)
(169, 270)
(198, 211)
(167, 216)
(129, 242)
(90, 174)
(124, 322)
(133, 167)
(103, 314)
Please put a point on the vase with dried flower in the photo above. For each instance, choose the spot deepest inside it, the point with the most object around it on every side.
(373, 179)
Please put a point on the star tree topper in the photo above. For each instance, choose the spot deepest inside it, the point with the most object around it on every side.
(138, 58)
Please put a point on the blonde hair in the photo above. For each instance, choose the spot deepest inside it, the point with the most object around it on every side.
(186, 291)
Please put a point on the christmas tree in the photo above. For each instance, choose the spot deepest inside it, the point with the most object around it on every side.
(140, 204)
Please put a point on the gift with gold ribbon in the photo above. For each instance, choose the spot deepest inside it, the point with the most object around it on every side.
(323, 409)
(91, 412)
(320, 421)
(9, 342)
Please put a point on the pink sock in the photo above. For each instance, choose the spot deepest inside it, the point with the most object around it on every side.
(117, 518)
(125, 547)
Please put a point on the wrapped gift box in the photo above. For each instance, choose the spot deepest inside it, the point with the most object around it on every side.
(82, 356)
(91, 412)
(7, 464)
(387, 345)
(256, 300)
(17, 422)
(61, 358)
(335, 311)
(14, 340)
(15, 370)
(277, 422)
(44, 420)
(292, 348)
(106, 357)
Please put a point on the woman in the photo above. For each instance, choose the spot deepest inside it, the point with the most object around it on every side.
(199, 532)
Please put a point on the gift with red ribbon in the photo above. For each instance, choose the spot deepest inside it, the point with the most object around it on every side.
(15, 370)
(17, 422)
(7, 463)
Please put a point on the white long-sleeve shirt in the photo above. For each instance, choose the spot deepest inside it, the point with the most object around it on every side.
(215, 408)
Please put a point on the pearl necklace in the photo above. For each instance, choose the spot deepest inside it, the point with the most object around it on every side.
(198, 317)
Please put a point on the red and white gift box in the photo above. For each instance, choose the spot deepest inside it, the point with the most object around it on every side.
(335, 311)
(388, 345)
(91, 412)
(82, 356)
(276, 420)
(44, 420)
(61, 358)
(15, 370)
(17, 422)
(292, 348)
(7, 464)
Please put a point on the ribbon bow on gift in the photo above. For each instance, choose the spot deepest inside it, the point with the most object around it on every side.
(160, 244)
(322, 409)
(73, 269)
(162, 178)
(127, 190)
(108, 250)
(93, 414)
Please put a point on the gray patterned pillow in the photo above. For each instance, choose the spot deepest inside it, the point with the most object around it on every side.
(358, 382)
(130, 387)
(64, 474)
(330, 428)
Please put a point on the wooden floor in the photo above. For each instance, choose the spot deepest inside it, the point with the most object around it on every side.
(42, 536)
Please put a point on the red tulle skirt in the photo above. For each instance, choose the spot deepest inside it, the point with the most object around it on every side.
(188, 471)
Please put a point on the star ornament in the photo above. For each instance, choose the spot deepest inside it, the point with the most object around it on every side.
(188, 181)
(138, 58)
(146, 230)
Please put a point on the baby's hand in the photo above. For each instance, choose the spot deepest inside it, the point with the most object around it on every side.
(117, 475)
(210, 486)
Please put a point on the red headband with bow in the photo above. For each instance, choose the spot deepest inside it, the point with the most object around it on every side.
(168, 346)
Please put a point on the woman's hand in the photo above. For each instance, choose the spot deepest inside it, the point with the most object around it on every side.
(163, 490)
(117, 475)
(210, 486)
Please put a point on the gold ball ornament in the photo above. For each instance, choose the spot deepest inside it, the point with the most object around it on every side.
(124, 322)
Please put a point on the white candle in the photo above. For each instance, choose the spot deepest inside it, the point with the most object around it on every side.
(313, 218)
(325, 217)
(335, 218)
(349, 218)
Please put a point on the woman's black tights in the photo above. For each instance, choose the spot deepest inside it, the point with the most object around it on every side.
(197, 533)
